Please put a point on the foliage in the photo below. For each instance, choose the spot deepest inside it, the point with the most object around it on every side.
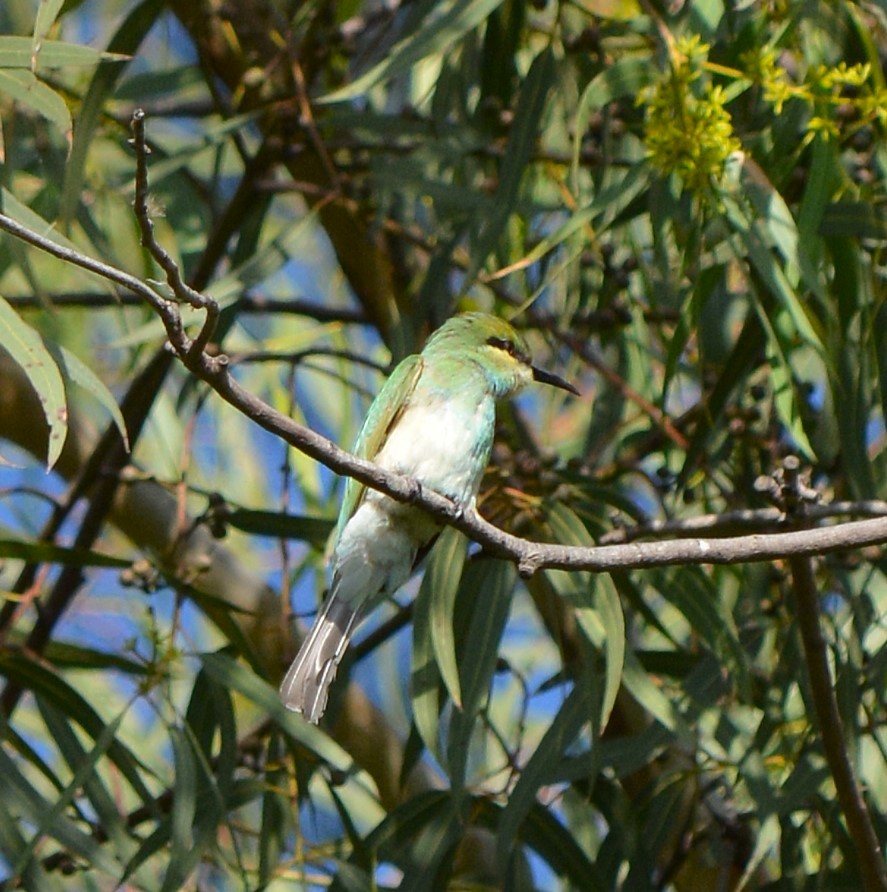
(684, 206)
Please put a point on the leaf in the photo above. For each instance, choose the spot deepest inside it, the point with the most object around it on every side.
(28, 350)
(451, 21)
(126, 40)
(853, 219)
(778, 280)
(76, 371)
(24, 87)
(184, 809)
(23, 799)
(521, 142)
(441, 585)
(554, 842)
(486, 586)
(25, 671)
(18, 52)
(233, 676)
(607, 205)
(626, 77)
(47, 13)
(639, 684)
(281, 525)
(595, 601)
(73, 656)
(696, 596)
(417, 835)
(426, 684)
(84, 776)
(33, 877)
(575, 712)
(276, 809)
(46, 552)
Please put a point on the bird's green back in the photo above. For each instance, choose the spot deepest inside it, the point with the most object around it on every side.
(384, 412)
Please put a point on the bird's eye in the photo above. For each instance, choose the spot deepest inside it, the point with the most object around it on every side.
(502, 344)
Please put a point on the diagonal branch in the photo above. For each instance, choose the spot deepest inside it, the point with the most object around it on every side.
(529, 556)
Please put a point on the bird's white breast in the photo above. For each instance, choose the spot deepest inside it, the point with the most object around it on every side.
(443, 444)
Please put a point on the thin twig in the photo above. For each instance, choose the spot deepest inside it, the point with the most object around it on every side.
(752, 519)
(183, 292)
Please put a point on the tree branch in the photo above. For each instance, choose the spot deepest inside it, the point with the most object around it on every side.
(825, 701)
(529, 556)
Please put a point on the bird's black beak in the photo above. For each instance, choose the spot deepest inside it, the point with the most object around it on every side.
(552, 379)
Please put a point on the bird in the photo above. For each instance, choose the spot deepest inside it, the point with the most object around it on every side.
(433, 420)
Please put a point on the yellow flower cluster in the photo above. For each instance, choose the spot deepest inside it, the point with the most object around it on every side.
(688, 130)
(824, 90)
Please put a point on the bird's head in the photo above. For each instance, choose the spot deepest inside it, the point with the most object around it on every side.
(496, 347)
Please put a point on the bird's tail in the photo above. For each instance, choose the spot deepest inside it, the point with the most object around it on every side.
(306, 685)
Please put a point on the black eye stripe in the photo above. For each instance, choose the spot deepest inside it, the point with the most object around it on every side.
(510, 348)
(502, 344)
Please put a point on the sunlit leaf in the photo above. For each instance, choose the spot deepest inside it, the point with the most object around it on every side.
(452, 19)
(28, 349)
(24, 87)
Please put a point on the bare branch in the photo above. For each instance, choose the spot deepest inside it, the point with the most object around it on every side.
(831, 726)
(180, 288)
(529, 556)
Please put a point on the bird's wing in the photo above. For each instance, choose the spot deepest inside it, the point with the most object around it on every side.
(384, 412)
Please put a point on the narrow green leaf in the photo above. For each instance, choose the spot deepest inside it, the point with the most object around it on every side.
(639, 684)
(24, 87)
(441, 583)
(233, 676)
(596, 602)
(16, 52)
(23, 214)
(487, 586)
(417, 835)
(521, 141)
(426, 685)
(12, 843)
(557, 845)
(575, 712)
(266, 260)
(46, 817)
(276, 809)
(279, 525)
(46, 552)
(74, 656)
(79, 760)
(24, 670)
(27, 348)
(47, 13)
(782, 381)
(84, 765)
(823, 179)
(451, 20)
(772, 272)
(606, 206)
(184, 808)
(126, 40)
(854, 219)
(431, 867)
(73, 369)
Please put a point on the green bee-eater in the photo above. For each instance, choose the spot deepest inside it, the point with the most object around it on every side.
(432, 420)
